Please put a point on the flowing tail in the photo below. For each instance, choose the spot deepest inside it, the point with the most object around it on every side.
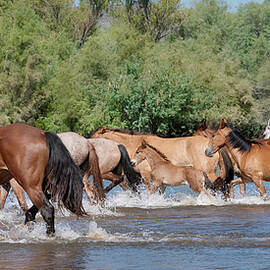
(222, 184)
(207, 183)
(97, 178)
(229, 171)
(63, 179)
(133, 178)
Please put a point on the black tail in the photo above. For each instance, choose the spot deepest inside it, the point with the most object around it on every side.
(133, 177)
(228, 167)
(207, 183)
(63, 179)
(222, 184)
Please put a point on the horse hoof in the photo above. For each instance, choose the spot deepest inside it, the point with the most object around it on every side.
(50, 234)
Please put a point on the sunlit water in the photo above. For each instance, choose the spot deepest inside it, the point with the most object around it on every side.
(177, 230)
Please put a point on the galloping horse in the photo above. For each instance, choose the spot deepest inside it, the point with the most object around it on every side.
(252, 157)
(41, 164)
(103, 158)
(163, 172)
(185, 151)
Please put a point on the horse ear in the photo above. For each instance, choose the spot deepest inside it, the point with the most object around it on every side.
(223, 124)
(204, 126)
(143, 143)
(103, 130)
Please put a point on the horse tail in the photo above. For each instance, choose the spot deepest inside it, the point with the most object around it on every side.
(133, 178)
(97, 178)
(207, 183)
(63, 179)
(229, 170)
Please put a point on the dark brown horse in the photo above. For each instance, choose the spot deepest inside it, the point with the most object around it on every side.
(252, 157)
(41, 164)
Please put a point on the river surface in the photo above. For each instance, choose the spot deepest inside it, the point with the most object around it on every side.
(177, 230)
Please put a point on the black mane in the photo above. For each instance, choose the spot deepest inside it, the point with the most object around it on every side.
(155, 149)
(236, 140)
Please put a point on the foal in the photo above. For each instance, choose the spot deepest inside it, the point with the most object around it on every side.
(163, 172)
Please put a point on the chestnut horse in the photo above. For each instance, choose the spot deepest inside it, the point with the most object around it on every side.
(252, 157)
(183, 151)
(203, 130)
(163, 172)
(102, 158)
(41, 164)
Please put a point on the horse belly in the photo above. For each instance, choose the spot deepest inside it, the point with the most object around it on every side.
(171, 176)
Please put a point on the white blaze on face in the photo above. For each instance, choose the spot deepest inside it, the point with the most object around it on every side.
(133, 162)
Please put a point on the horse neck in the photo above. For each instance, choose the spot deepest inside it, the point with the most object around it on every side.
(153, 157)
(235, 154)
(130, 141)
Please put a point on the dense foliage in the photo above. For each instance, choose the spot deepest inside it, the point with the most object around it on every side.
(152, 66)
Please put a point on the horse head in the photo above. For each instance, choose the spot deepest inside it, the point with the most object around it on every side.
(218, 138)
(139, 154)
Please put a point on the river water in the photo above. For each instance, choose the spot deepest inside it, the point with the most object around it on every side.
(177, 230)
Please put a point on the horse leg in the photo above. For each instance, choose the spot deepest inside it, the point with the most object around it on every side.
(207, 194)
(146, 176)
(19, 192)
(242, 188)
(88, 188)
(4, 190)
(47, 212)
(260, 185)
(30, 214)
(40, 203)
(237, 181)
(113, 184)
(156, 184)
(162, 189)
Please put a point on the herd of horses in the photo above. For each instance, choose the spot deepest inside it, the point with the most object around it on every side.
(56, 168)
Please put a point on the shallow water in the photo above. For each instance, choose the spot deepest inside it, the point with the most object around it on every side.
(178, 230)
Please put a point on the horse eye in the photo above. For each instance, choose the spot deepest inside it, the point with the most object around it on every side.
(137, 152)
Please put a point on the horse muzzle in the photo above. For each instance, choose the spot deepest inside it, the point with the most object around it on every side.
(209, 151)
(133, 162)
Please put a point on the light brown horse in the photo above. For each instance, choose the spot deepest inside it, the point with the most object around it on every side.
(113, 159)
(185, 151)
(163, 172)
(252, 157)
(41, 164)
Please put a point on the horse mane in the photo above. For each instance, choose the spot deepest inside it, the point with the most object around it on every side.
(236, 140)
(155, 149)
(121, 130)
